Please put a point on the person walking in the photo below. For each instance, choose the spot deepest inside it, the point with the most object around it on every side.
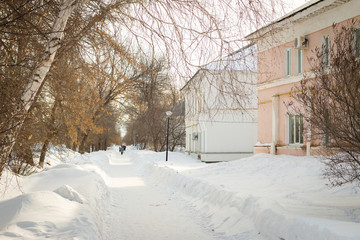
(121, 149)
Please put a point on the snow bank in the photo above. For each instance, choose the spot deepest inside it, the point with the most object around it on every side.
(69, 193)
(43, 214)
(284, 197)
(64, 201)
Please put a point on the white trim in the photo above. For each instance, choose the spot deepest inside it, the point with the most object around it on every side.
(298, 136)
(325, 49)
(275, 124)
(287, 129)
(279, 82)
(285, 80)
(298, 70)
(293, 147)
(199, 142)
(308, 148)
(356, 28)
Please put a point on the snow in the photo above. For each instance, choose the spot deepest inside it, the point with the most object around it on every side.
(245, 59)
(138, 195)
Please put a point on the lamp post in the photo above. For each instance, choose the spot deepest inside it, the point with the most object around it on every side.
(168, 114)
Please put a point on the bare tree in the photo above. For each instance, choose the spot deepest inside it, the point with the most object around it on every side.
(177, 132)
(147, 116)
(154, 96)
(176, 28)
(330, 101)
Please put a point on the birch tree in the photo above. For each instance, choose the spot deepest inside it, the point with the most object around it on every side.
(36, 80)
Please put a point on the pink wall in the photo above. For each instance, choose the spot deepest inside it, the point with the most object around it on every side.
(271, 61)
(264, 123)
(271, 69)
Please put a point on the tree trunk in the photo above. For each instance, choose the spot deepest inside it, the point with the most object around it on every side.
(82, 143)
(105, 144)
(74, 146)
(36, 81)
(43, 152)
(28, 156)
(51, 132)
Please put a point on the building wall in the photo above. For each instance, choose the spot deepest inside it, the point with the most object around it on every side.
(223, 133)
(232, 133)
(273, 82)
(228, 138)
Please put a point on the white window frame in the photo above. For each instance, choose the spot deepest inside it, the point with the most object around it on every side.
(203, 141)
(294, 132)
(357, 41)
(287, 62)
(189, 143)
(299, 61)
(325, 50)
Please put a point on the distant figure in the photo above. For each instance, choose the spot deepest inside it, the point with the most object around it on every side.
(124, 147)
(121, 149)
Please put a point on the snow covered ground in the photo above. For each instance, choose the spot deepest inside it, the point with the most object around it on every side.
(104, 195)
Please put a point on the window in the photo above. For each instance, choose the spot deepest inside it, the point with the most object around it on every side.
(357, 42)
(295, 129)
(287, 62)
(298, 61)
(325, 50)
(195, 105)
(189, 143)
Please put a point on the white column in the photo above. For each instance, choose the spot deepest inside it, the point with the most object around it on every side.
(275, 123)
(308, 130)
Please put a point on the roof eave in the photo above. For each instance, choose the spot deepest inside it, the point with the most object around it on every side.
(255, 34)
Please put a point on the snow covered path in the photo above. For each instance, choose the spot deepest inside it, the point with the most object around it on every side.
(106, 196)
(138, 210)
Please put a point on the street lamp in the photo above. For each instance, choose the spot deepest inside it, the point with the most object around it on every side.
(168, 114)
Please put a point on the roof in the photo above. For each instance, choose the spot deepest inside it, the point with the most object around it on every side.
(244, 59)
(307, 10)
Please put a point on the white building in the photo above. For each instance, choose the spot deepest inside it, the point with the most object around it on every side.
(221, 108)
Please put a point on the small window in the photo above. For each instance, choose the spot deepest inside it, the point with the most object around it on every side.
(295, 131)
(298, 61)
(325, 51)
(288, 62)
(195, 106)
(357, 42)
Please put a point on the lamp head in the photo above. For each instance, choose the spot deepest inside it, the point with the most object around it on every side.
(169, 113)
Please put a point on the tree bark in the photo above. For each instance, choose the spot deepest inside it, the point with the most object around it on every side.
(82, 143)
(50, 134)
(43, 152)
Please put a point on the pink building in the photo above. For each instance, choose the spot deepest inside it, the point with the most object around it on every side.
(283, 49)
